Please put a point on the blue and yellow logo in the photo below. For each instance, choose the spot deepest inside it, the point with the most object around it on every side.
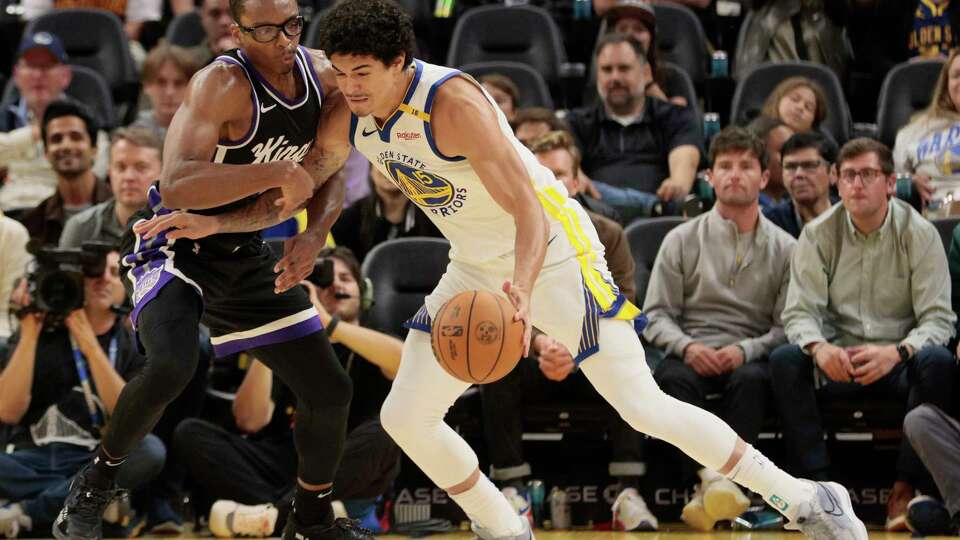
(421, 187)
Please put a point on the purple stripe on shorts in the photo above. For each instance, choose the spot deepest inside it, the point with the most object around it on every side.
(280, 335)
(144, 292)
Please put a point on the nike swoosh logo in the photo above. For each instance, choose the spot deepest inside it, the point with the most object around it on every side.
(368, 133)
(324, 494)
(267, 109)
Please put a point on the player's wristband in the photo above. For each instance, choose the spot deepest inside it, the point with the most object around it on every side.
(332, 325)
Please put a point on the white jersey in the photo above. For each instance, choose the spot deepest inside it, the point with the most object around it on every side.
(447, 188)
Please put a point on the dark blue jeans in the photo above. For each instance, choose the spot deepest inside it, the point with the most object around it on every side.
(39, 478)
(928, 378)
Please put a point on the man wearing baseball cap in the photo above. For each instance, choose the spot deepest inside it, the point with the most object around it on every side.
(41, 74)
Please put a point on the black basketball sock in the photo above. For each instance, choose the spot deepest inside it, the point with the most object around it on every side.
(103, 473)
(312, 507)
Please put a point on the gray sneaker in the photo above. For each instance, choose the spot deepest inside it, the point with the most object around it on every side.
(483, 534)
(829, 515)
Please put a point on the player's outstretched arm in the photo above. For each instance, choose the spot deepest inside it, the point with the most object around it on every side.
(217, 105)
(465, 124)
(324, 164)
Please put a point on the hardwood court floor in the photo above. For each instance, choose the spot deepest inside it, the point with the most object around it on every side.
(678, 533)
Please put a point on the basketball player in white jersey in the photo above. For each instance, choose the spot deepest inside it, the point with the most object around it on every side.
(511, 226)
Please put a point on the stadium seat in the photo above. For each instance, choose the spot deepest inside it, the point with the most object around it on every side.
(498, 32)
(945, 227)
(86, 86)
(677, 77)
(402, 272)
(533, 89)
(94, 38)
(681, 39)
(645, 237)
(186, 30)
(906, 89)
(757, 84)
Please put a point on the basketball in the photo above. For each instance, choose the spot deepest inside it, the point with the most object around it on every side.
(475, 338)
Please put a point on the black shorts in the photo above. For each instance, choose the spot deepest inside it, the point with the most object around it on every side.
(233, 274)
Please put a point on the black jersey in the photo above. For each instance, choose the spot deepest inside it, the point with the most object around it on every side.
(280, 129)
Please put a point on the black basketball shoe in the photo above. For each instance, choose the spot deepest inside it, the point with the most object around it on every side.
(341, 529)
(82, 515)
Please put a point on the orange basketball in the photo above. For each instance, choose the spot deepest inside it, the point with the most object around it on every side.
(475, 338)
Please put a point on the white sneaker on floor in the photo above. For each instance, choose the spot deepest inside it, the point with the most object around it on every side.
(519, 502)
(630, 513)
(229, 519)
(715, 499)
(484, 534)
(829, 515)
(12, 520)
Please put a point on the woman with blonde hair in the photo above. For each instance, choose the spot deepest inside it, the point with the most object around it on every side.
(929, 146)
(798, 102)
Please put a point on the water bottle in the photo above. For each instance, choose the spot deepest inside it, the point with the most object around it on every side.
(559, 509)
(719, 65)
(711, 125)
(582, 10)
(536, 492)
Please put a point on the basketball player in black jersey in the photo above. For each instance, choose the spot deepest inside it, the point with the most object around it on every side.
(240, 156)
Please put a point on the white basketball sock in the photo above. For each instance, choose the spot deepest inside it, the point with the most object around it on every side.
(757, 473)
(485, 505)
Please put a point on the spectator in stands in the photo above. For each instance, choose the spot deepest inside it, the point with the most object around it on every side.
(716, 292)
(534, 122)
(13, 263)
(217, 20)
(40, 75)
(877, 271)
(638, 151)
(134, 164)
(638, 19)
(911, 30)
(69, 137)
(925, 147)
(58, 387)
(504, 91)
(799, 103)
(261, 469)
(807, 161)
(133, 13)
(166, 72)
(550, 372)
(935, 436)
(386, 213)
(770, 35)
(773, 133)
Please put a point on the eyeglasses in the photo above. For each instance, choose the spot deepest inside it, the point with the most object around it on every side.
(794, 167)
(265, 33)
(867, 176)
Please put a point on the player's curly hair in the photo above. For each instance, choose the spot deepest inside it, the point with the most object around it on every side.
(379, 28)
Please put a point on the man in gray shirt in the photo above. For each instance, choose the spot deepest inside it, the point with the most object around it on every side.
(714, 302)
(867, 314)
(134, 163)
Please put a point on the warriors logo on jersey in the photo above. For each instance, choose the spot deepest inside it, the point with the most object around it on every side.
(429, 191)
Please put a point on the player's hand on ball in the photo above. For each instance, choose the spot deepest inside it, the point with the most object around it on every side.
(299, 255)
(178, 224)
(520, 298)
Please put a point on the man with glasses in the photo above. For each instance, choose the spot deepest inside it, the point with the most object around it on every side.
(867, 314)
(806, 160)
(240, 154)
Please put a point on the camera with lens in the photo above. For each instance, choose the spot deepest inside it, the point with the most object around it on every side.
(55, 285)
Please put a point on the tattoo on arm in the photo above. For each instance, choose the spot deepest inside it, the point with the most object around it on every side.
(257, 215)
